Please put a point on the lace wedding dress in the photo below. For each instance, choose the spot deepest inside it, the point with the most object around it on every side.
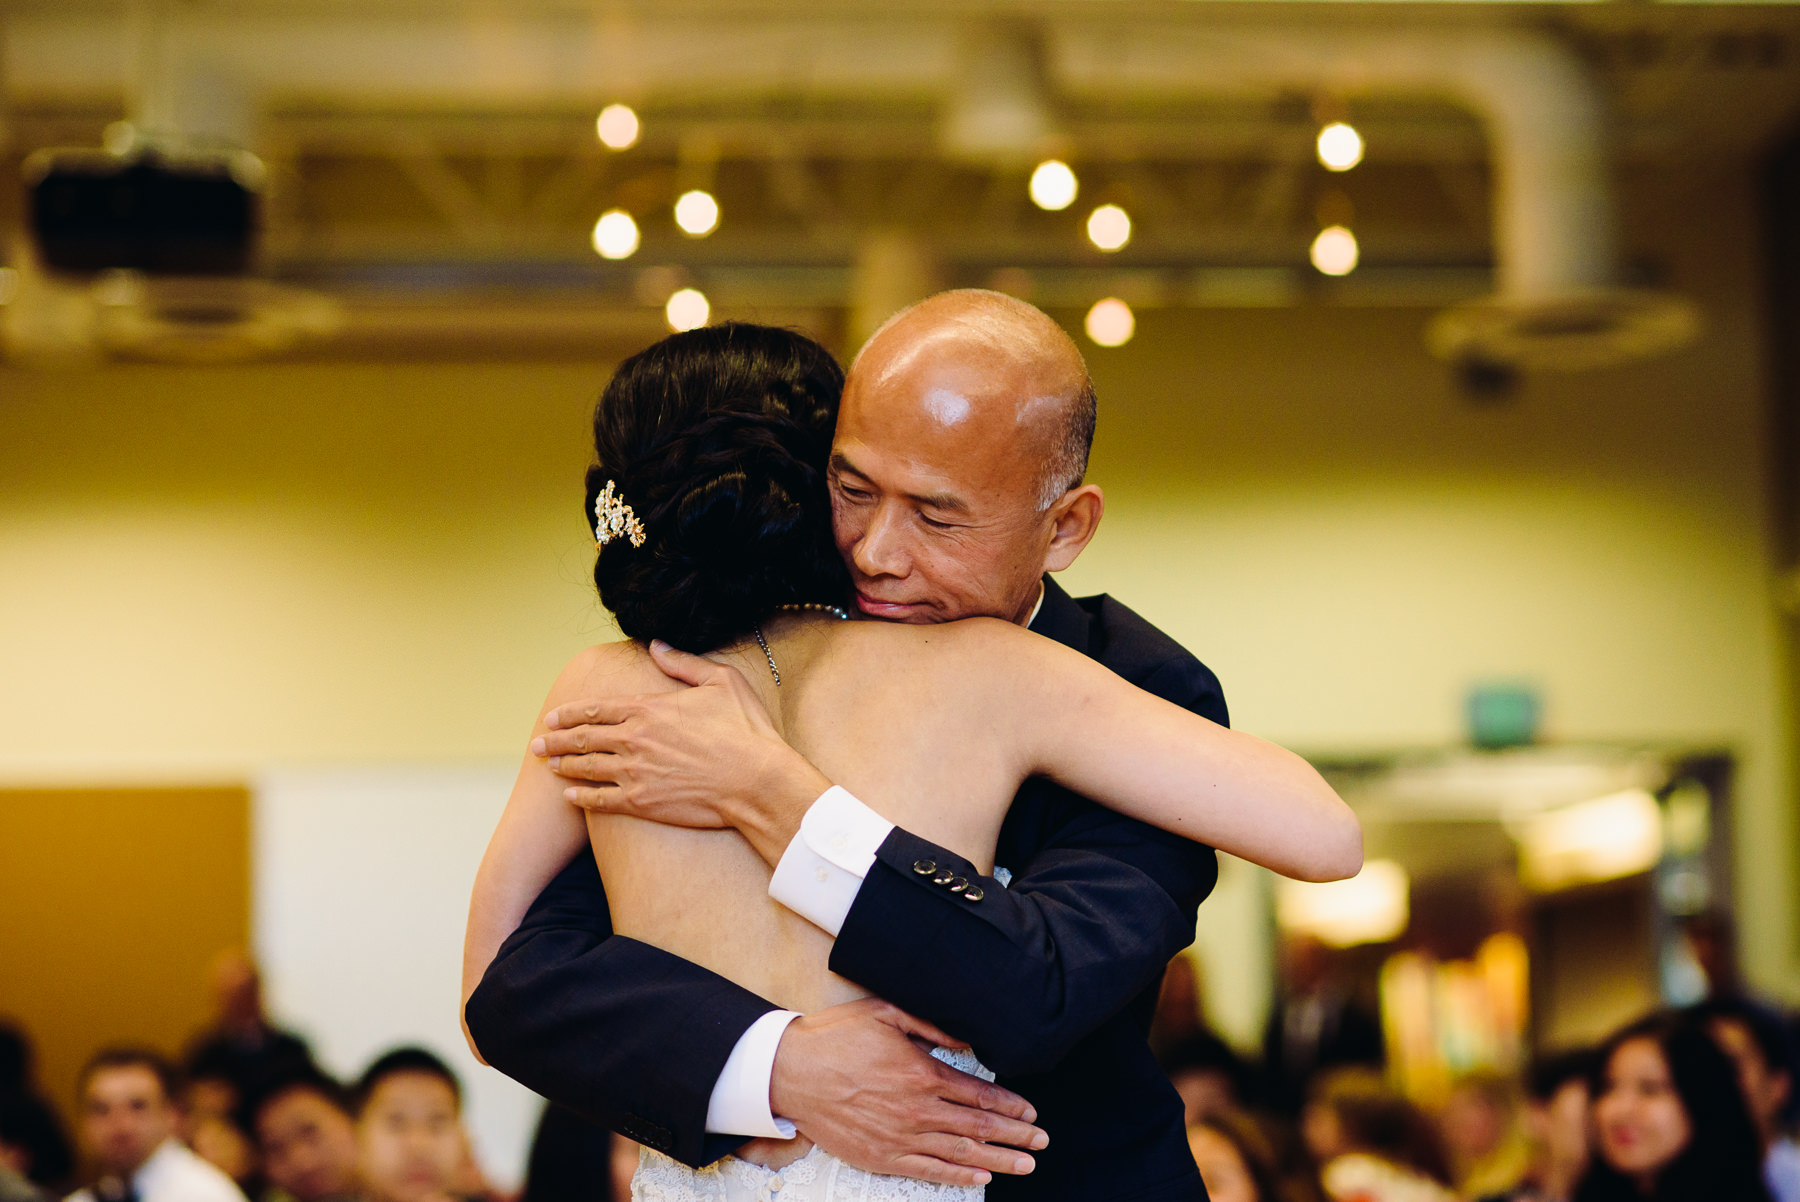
(815, 1177)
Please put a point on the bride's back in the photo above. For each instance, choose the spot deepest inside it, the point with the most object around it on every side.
(891, 713)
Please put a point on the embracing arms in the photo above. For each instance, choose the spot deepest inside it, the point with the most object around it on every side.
(1098, 735)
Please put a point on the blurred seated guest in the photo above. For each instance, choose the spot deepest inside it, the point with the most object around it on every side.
(1315, 1024)
(15, 1158)
(1238, 1162)
(1556, 1120)
(307, 1138)
(1179, 1014)
(1483, 1136)
(571, 1161)
(1208, 1075)
(17, 1120)
(1371, 1144)
(16, 1187)
(1671, 1120)
(1757, 1041)
(32, 1126)
(410, 1139)
(128, 1122)
(241, 1049)
(210, 1127)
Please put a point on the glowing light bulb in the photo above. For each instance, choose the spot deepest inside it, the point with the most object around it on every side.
(687, 309)
(1109, 227)
(697, 213)
(1334, 251)
(618, 127)
(615, 235)
(1110, 322)
(1053, 186)
(1340, 146)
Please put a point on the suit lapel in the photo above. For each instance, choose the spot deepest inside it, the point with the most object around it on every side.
(1061, 619)
(1024, 831)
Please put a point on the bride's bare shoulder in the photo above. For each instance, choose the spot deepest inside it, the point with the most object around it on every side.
(961, 647)
(604, 670)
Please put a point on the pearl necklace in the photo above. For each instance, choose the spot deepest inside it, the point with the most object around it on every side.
(835, 611)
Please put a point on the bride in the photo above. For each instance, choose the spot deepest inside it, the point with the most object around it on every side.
(713, 526)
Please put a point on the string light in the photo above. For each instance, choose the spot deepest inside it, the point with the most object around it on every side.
(1110, 322)
(1340, 146)
(618, 127)
(687, 309)
(616, 235)
(1053, 185)
(1334, 251)
(697, 213)
(1109, 227)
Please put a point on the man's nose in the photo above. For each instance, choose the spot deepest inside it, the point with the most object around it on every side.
(881, 551)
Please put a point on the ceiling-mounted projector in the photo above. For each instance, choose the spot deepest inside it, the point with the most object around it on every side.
(158, 212)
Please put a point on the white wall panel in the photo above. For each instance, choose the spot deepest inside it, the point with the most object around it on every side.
(361, 888)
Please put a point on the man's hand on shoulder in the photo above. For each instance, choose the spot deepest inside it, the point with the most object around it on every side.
(855, 1080)
(705, 756)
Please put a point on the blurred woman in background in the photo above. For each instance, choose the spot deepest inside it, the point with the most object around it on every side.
(1671, 1121)
(1239, 1162)
(1371, 1144)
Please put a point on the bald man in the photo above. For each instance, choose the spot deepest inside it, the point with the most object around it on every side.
(957, 486)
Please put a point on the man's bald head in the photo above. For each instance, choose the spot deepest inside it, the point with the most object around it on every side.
(956, 468)
(1001, 355)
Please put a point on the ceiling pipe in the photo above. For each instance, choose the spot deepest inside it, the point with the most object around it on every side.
(1544, 113)
(1557, 301)
(998, 110)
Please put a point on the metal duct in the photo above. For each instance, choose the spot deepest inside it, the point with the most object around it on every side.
(1557, 304)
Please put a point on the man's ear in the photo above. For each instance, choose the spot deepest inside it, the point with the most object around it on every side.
(1073, 519)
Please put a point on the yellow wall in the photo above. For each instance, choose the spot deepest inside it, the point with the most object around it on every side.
(114, 902)
(207, 570)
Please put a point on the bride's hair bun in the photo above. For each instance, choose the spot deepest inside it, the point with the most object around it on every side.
(717, 438)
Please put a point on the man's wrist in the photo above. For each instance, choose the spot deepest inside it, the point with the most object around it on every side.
(769, 811)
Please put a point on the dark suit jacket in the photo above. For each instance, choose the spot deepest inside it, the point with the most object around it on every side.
(1052, 980)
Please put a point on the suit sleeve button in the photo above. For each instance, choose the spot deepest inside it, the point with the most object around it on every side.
(973, 893)
(924, 867)
(944, 877)
(958, 885)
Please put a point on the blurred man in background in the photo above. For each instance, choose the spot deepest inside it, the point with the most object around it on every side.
(410, 1138)
(306, 1136)
(128, 1123)
(241, 1049)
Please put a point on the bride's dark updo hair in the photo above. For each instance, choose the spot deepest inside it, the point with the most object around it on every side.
(717, 438)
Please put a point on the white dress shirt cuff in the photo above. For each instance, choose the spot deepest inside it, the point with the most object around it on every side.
(740, 1098)
(822, 869)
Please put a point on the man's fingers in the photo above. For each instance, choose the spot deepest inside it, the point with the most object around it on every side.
(596, 800)
(602, 711)
(930, 1168)
(588, 769)
(682, 666)
(983, 1097)
(911, 1025)
(581, 740)
(989, 1127)
(974, 1154)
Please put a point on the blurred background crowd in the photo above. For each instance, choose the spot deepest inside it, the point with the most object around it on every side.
(1696, 1102)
